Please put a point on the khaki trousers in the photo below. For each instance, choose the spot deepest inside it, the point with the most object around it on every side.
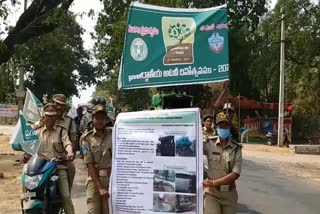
(216, 202)
(65, 191)
(71, 171)
(95, 203)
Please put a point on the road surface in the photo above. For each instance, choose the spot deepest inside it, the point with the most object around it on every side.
(264, 187)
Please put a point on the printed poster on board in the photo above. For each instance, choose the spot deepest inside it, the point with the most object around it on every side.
(157, 162)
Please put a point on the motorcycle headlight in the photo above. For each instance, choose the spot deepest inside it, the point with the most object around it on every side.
(33, 182)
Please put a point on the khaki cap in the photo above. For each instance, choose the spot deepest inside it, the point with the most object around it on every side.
(222, 117)
(50, 109)
(59, 98)
(98, 108)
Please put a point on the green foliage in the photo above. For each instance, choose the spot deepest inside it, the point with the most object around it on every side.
(302, 78)
(56, 62)
(130, 100)
(39, 18)
(7, 92)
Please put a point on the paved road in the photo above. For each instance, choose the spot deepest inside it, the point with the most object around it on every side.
(263, 188)
(78, 190)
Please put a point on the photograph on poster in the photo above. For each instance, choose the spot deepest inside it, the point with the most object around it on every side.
(186, 203)
(166, 146)
(185, 146)
(163, 202)
(186, 182)
(164, 181)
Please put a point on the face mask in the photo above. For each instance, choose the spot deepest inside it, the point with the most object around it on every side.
(223, 133)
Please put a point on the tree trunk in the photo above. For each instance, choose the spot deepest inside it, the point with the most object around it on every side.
(31, 24)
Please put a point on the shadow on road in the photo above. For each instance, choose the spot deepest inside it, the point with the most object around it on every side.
(242, 208)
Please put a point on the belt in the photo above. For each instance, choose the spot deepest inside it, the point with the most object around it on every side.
(221, 188)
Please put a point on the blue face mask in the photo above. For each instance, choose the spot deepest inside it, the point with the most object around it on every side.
(223, 133)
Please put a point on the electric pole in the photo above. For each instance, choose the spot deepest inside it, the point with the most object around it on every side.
(281, 86)
(21, 91)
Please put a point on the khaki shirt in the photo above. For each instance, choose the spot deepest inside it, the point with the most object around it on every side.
(69, 124)
(222, 161)
(54, 142)
(84, 122)
(207, 133)
(97, 149)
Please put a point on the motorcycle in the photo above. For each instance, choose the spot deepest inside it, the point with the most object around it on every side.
(40, 186)
(272, 139)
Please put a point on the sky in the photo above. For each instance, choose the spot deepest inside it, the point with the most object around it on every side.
(78, 7)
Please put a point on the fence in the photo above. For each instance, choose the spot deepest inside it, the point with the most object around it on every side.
(8, 114)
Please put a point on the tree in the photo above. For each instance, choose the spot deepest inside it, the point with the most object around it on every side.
(130, 100)
(41, 17)
(56, 62)
(302, 78)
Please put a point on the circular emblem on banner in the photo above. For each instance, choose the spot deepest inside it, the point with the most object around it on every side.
(216, 43)
(138, 49)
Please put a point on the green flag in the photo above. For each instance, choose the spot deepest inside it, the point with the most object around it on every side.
(25, 137)
(174, 46)
(32, 107)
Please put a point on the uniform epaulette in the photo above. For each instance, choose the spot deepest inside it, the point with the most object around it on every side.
(109, 129)
(68, 116)
(213, 137)
(236, 143)
(58, 125)
(86, 134)
(38, 126)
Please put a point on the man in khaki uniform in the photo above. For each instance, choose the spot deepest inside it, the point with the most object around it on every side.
(208, 129)
(54, 142)
(97, 151)
(224, 168)
(59, 100)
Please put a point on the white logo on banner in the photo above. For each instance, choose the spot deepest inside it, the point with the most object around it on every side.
(139, 49)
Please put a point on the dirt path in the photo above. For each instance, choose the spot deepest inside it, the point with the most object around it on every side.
(10, 184)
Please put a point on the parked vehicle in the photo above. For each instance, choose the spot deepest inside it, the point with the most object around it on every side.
(272, 139)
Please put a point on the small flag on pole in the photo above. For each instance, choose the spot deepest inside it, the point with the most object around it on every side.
(32, 107)
(25, 137)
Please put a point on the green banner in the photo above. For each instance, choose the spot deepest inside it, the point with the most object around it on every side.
(174, 46)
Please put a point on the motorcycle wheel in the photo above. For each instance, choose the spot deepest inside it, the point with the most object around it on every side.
(269, 143)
